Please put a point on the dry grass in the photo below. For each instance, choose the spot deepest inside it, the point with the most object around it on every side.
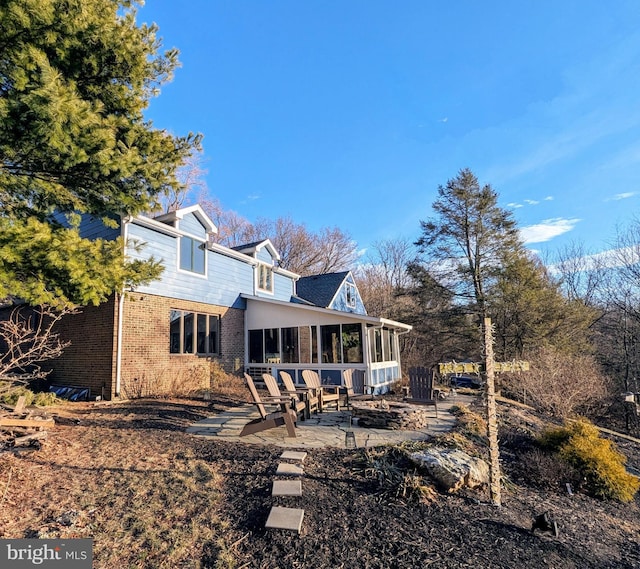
(142, 495)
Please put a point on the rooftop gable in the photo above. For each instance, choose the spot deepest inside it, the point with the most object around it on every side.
(174, 218)
(320, 290)
(253, 249)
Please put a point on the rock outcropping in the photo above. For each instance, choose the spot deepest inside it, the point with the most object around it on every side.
(452, 468)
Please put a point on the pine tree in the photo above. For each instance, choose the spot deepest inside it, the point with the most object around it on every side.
(465, 243)
(75, 79)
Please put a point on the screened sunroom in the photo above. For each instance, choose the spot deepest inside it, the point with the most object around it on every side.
(285, 336)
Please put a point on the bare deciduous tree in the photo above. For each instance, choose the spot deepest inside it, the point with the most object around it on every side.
(190, 176)
(383, 274)
(581, 274)
(28, 337)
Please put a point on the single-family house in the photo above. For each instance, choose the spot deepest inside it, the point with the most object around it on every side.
(234, 306)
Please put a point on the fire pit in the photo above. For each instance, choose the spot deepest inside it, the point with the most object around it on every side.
(390, 415)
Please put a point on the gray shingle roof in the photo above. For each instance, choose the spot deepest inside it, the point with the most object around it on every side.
(320, 289)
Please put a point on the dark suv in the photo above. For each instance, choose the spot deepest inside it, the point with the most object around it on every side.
(472, 381)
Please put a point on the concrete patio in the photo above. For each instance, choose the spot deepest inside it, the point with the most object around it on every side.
(328, 429)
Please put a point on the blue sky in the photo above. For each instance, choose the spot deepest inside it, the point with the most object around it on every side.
(351, 113)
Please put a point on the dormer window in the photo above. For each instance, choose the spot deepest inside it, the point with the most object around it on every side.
(351, 295)
(192, 255)
(265, 277)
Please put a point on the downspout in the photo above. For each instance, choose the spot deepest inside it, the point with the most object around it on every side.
(119, 343)
(125, 224)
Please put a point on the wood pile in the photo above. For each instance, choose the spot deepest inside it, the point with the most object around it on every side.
(21, 428)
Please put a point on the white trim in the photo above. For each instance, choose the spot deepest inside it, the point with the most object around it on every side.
(268, 267)
(179, 259)
(197, 210)
(232, 253)
(371, 320)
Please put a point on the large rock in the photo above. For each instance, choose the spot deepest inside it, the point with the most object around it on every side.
(452, 468)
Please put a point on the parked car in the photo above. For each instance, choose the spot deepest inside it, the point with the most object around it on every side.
(471, 381)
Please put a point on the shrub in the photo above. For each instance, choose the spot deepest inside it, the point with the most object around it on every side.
(30, 398)
(598, 460)
(470, 423)
(395, 476)
(560, 384)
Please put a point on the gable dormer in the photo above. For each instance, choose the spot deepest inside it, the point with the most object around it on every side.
(191, 221)
(266, 254)
(263, 251)
(195, 230)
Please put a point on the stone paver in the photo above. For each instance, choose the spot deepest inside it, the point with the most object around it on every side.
(287, 469)
(293, 455)
(326, 429)
(287, 488)
(285, 518)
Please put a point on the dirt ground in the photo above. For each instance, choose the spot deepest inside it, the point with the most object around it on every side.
(152, 496)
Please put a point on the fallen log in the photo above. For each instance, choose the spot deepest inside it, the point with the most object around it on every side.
(27, 440)
(13, 422)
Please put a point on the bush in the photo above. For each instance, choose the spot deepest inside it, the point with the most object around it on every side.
(597, 459)
(560, 384)
(395, 475)
(30, 398)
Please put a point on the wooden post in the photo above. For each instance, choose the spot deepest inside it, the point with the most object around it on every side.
(492, 418)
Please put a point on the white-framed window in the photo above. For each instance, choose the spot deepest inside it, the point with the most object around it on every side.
(192, 255)
(194, 333)
(265, 277)
(351, 295)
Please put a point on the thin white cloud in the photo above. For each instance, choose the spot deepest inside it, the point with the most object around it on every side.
(622, 196)
(547, 229)
(531, 202)
(548, 199)
(514, 205)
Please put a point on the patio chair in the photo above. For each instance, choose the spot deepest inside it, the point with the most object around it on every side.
(421, 388)
(303, 393)
(298, 405)
(286, 416)
(351, 395)
(326, 393)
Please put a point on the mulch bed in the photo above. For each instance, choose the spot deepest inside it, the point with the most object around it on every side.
(348, 522)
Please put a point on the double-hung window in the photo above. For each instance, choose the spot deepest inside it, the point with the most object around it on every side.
(194, 333)
(351, 295)
(192, 255)
(265, 277)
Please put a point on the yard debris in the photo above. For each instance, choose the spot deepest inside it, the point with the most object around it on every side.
(22, 428)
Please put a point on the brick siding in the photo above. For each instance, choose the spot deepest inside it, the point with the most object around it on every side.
(90, 359)
(147, 366)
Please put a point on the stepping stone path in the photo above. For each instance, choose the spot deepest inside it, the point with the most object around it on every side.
(287, 518)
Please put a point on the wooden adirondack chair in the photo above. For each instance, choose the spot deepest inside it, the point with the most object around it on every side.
(351, 395)
(286, 416)
(421, 387)
(326, 393)
(303, 393)
(299, 406)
